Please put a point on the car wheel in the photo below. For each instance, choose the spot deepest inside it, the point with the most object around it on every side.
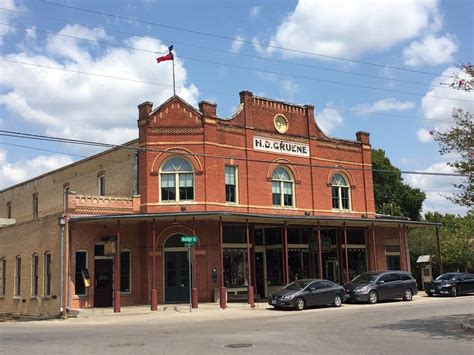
(277, 307)
(454, 291)
(337, 301)
(373, 297)
(407, 295)
(299, 304)
(429, 294)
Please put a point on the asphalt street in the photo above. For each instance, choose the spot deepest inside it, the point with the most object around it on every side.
(423, 326)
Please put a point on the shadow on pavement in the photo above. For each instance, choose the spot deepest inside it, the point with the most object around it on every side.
(446, 327)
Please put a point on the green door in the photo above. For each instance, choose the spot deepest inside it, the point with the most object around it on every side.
(176, 277)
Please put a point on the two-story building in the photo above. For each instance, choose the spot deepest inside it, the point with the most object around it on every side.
(270, 197)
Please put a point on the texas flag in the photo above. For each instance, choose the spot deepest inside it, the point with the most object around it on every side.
(166, 57)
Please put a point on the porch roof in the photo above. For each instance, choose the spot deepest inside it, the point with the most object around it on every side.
(254, 218)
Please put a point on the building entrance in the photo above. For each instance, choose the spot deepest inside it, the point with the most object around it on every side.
(176, 277)
(103, 282)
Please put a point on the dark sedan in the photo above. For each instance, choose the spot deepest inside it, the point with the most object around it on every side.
(451, 284)
(308, 292)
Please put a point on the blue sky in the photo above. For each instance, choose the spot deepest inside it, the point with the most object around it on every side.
(413, 35)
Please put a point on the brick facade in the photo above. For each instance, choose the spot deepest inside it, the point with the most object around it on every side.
(209, 144)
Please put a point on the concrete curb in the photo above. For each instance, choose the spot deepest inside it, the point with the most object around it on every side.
(468, 324)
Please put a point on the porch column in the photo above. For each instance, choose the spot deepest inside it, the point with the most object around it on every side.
(154, 291)
(374, 247)
(320, 252)
(223, 290)
(194, 290)
(117, 271)
(250, 296)
(285, 252)
(346, 253)
(438, 248)
(311, 259)
(402, 250)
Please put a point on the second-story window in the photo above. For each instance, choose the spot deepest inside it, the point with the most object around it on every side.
(9, 210)
(282, 188)
(35, 206)
(340, 193)
(177, 180)
(231, 184)
(101, 184)
(34, 275)
(65, 195)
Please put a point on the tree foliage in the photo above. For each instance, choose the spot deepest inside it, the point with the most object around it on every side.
(459, 142)
(392, 195)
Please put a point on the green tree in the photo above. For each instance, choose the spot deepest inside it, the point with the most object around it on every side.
(460, 141)
(392, 195)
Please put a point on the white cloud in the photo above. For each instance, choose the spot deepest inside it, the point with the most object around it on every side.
(436, 188)
(329, 119)
(89, 107)
(424, 135)
(289, 89)
(431, 50)
(21, 170)
(255, 11)
(390, 104)
(7, 16)
(237, 43)
(352, 28)
(437, 109)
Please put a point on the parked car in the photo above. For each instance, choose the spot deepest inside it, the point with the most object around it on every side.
(452, 284)
(381, 285)
(308, 292)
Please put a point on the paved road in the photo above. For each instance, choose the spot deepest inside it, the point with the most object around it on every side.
(424, 326)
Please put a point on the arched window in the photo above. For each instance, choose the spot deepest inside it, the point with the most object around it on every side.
(282, 188)
(177, 180)
(340, 193)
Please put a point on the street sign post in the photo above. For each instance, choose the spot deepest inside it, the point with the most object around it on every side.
(189, 241)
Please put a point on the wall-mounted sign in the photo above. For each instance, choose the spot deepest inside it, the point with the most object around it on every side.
(280, 146)
(325, 242)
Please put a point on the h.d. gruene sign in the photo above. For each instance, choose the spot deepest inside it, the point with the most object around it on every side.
(282, 147)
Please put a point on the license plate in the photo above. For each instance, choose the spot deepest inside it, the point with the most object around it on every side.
(432, 291)
(274, 302)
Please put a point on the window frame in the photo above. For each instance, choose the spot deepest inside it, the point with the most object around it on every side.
(9, 209)
(35, 275)
(47, 274)
(125, 250)
(35, 206)
(236, 184)
(340, 189)
(17, 291)
(176, 181)
(281, 186)
(66, 190)
(3, 276)
(101, 184)
(75, 273)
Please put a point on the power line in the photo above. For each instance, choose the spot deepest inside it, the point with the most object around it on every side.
(211, 92)
(121, 146)
(114, 161)
(259, 70)
(239, 39)
(225, 51)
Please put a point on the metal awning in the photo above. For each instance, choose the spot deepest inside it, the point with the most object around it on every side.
(252, 218)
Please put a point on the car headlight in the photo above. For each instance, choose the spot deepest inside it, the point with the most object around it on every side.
(448, 285)
(362, 289)
(288, 297)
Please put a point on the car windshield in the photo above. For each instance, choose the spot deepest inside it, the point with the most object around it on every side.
(445, 277)
(297, 285)
(365, 277)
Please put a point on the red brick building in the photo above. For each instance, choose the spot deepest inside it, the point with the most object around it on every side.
(270, 197)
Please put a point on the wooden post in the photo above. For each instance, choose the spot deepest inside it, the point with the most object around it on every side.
(346, 253)
(117, 271)
(194, 290)
(374, 247)
(250, 295)
(223, 290)
(320, 253)
(285, 252)
(154, 291)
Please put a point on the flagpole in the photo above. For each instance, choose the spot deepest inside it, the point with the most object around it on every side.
(174, 84)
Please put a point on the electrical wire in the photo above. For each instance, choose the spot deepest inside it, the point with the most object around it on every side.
(211, 92)
(108, 145)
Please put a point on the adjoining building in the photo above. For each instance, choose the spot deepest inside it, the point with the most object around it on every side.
(270, 197)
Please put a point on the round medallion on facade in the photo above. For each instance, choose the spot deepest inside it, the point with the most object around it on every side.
(281, 123)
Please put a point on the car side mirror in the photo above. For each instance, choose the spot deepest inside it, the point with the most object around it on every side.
(380, 282)
(312, 289)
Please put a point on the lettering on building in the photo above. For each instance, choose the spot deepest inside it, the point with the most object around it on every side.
(280, 146)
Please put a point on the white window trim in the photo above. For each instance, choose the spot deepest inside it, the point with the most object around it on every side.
(176, 183)
(341, 209)
(236, 185)
(293, 194)
(87, 263)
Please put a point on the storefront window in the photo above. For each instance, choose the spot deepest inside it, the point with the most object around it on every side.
(298, 266)
(125, 271)
(274, 267)
(235, 267)
(297, 236)
(81, 265)
(273, 236)
(234, 234)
